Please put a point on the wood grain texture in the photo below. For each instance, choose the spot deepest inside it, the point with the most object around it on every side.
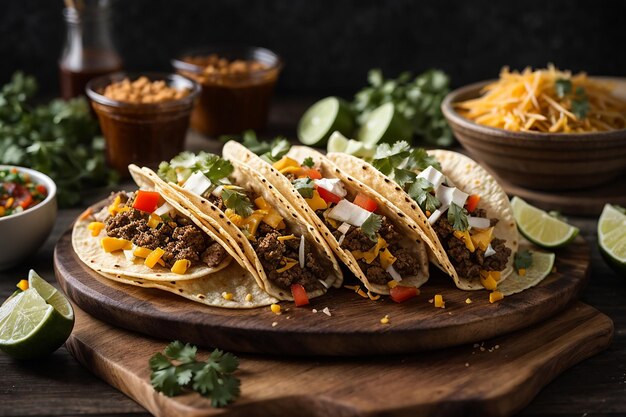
(354, 327)
(459, 381)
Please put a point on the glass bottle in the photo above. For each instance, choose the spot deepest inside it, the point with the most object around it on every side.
(88, 50)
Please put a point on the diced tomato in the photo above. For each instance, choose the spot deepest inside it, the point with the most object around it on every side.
(41, 189)
(472, 202)
(365, 202)
(26, 201)
(299, 295)
(328, 196)
(401, 293)
(22, 196)
(312, 173)
(147, 201)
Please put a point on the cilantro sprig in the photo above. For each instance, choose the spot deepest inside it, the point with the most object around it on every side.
(238, 201)
(308, 162)
(180, 168)
(523, 260)
(177, 370)
(578, 97)
(421, 191)
(371, 226)
(457, 217)
(270, 151)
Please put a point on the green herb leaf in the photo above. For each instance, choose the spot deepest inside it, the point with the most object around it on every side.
(253, 144)
(403, 176)
(308, 162)
(186, 163)
(457, 217)
(419, 159)
(178, 371)
(278, 148)
(523, 260)
(421, 191)
(387, 158)
(371, 226)
(305, 186)
(563, 87)
(580, 103)
(237, 201)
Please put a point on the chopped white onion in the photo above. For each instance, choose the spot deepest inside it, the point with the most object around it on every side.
(217, 192)
(197, 183)
(301, 251)
(334, 185)
(341, 238)
(163, 209)
(436, 214)
(344, 228)
(478, 222)
(324, 283)
(348, 212)
(129, 255)
(394, 274)
(433, 176)
(489, 251)
(449, 195)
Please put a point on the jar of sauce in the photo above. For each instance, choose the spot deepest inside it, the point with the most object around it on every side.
(88, 51)
(237, 87)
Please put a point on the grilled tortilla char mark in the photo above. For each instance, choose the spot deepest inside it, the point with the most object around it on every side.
(179, 238)
(406, 264)
(466, 263)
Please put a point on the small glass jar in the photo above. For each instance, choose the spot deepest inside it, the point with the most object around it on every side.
(88, 50)
(142, 133)
(231, 102)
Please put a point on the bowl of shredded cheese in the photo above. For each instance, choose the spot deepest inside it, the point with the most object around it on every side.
(544, 129)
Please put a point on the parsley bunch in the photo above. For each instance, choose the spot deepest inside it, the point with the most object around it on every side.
(417, 99)
(60, 139)
(176, 370)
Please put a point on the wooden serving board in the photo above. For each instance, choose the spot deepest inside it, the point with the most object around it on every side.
(497, 380)
(353, 327)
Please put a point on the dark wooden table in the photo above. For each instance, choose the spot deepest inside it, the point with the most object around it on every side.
(59, 386)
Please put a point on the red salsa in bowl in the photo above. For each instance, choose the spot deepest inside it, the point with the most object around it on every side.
(18, 192)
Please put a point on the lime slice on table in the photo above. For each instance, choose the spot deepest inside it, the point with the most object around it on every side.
(384, 124)
(323, 118)
(339, 143)
(612, 237)
(542, 266)
(539, 227)
(35, 322)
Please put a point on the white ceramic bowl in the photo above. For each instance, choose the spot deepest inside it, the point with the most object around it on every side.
(22, 234)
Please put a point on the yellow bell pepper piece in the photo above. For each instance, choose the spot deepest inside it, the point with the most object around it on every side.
(23, 284)
(316, 202)
(465, 237)
(386, 258)
(141, 252)
(154, 220)
(181, 266)
(115, 205)
(495, 296)
(112, 244)
(95, 227)
(273, 219)
(439, 303)
(261, 203)
(154, 257)
(252, 221)
(285, 162)
(481, 239)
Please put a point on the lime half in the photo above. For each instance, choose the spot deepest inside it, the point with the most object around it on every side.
(385, 124)
(339, 143)
(323, 118)
(612, 237)
(35, 322)
(541, 228)
(542, 266)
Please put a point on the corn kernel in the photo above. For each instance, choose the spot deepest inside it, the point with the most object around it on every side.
(495, 296)
(227, 295)
(22, 285)
(392, 284)
(468, 301)
(249, 297)
(385, 320)
(275, 308)
(439, 303)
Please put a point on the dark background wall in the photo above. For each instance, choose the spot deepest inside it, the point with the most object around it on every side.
(329, 45)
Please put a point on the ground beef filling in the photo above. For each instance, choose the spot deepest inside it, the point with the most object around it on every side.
(271, 252)
(179, 238)
(469, 264)
(406, 263)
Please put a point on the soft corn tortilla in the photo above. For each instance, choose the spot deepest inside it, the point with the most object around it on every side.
(415, 237)
(468, 176)
(207, 213)
(208, 289)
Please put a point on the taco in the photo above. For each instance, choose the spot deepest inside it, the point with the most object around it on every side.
(373, 238)
(465, 213)
(289, 256)
(146, 238)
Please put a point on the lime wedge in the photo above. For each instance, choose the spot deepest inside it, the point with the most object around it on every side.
(541, 228)
(34, 324)
(542, 265)
(612, 237)
(385, 124)
(323, 118)
(339, 143)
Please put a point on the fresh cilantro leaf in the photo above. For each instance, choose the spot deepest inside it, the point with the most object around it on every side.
(421, 191)
(253, 144)
(387, 158)
(215, 168)
(278, 148)
(166, 172)
(580, 103)
(403, 176)
(523, 260)
(419, 159)
(457, 217)
(308, 162)
(371, 226)
(178, 371)
(237, 201)
(563, 87)
(305, 186)
(186, 163)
